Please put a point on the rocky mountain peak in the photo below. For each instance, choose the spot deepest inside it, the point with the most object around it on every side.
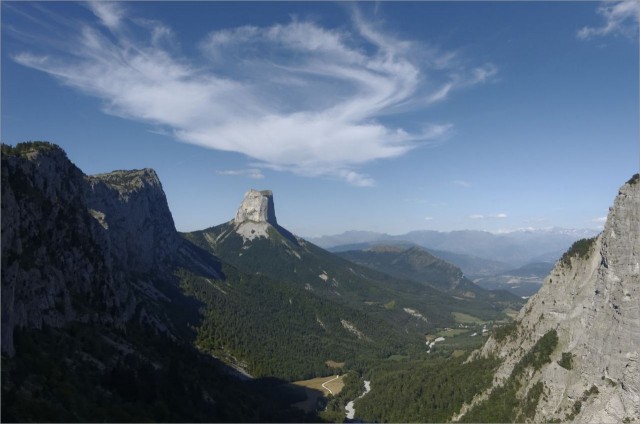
(591, 302)
(68, 236)
(257, 206)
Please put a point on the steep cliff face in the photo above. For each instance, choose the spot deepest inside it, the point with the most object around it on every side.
(131, 206)
(95, 323)
(71, 244)
(257, 206)
(255, 215)
(592, 301)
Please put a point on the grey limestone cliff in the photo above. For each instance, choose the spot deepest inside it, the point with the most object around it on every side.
(255, 215)
(132, 207)
(74, 247)
(257, 206)
(592, 300)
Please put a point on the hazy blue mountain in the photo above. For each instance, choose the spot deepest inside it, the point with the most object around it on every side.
(472, 266)
(515, 248)
(417, 264)
(349, 237)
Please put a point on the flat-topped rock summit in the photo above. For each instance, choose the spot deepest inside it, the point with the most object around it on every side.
(257, 206)
(255, 214)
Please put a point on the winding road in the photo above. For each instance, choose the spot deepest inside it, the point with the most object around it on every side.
(329, 381)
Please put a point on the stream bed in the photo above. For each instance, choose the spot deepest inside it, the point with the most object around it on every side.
(350, 410)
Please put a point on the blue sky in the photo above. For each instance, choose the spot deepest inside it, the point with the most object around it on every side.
(381, 116)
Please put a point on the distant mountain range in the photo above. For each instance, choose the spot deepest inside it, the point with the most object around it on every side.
(513, 249)
(472, 266)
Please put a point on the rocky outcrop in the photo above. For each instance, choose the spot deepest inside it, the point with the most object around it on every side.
(257, 206)
(77, 248)
(592, 300)
(255, 214)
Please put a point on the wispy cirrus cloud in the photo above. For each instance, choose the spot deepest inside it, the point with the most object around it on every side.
(109, 14)
(461, 183)
(620, 17)
(253, 173)
(295, 96)
(491, 216)
(598, 222)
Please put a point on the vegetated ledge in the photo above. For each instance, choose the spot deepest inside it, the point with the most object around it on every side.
(28, 146)
(634, 180)
(578, 249)
(503, 403)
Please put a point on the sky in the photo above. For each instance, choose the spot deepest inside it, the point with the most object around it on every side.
(377, 116)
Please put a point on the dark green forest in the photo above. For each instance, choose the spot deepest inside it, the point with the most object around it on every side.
(278, 330)
(78, 374)
(423, 390)
(504, 404)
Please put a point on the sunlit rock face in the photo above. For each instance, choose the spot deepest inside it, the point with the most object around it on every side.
(257, 206)
(593, 302)
(255, 214)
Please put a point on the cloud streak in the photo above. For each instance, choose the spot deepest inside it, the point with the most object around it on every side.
(621, 17)
(255, 174)
(492, 216)
(294, 97)
(461, 183)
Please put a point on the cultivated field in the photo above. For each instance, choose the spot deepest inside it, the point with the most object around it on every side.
(317, 387)
(452, 332)
(327, 385)
(466, 318)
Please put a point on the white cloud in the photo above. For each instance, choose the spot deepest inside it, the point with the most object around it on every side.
(599, 221)
(428, 218)
(621, 17)
(109, 13)
(492, 216)
(295, 97)
(252, 173)
(461, 183)
(483, 73)
(356, 179)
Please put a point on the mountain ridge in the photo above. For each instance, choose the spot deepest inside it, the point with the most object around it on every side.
(587, 317)
(353, 289)
(94, 326)
(515, 248)
(418, 264)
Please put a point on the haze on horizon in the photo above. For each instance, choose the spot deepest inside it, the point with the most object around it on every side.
(386, 117)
